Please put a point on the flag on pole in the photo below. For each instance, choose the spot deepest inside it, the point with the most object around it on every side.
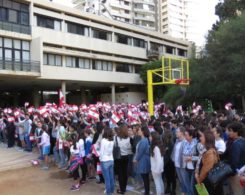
(61, 99)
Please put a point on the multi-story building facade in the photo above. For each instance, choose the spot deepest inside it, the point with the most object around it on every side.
(45, 47)
(143, 13)
(181, 19)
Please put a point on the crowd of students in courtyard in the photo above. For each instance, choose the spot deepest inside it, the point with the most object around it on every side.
(123, 143)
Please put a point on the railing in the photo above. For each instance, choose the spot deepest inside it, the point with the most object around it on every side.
(25, 66)
(153, 53)
(15, 27)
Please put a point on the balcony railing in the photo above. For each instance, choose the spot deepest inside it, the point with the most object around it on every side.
(15, 27)
(24, 66)
(153, 54)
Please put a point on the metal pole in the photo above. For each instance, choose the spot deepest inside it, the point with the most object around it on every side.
(150, 93)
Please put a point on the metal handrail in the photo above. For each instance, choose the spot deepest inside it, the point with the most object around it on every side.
(26, 66)
(15, 27)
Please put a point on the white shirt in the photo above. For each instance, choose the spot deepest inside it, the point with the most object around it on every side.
(157, 161)
(45, 140)
(74, 151)
(81, 148)
(220, 145)
(106, 150)
(125, 145)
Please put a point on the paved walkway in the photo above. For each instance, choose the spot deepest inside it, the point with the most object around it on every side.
(12, 158)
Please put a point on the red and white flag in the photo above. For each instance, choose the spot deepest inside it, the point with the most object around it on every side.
(11, 119)
(115, 118)
(42, 110)
(93, 114)
(61, 99)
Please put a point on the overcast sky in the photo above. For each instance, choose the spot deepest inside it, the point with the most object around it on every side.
(207, 16)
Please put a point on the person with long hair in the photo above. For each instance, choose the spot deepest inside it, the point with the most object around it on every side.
(208, 160)
(96, 142)
(107, 161)
(75, 162)
(169, 170)
(123, 141)
(142, 158)
(157, 162)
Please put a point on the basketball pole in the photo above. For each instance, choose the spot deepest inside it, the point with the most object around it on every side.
(150, 93)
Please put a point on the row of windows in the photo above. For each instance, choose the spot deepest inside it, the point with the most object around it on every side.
(85, 63)
(51, 23)
(13, 49)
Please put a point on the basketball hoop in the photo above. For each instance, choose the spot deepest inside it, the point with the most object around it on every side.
(182, 81)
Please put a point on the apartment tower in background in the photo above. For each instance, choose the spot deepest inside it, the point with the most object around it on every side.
(143, 13)
(181, 19)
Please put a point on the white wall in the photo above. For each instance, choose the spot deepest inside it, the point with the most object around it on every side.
(127, 97)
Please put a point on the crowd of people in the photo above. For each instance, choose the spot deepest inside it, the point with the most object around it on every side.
(123, 143)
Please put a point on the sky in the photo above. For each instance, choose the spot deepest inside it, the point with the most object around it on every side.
(206, 15)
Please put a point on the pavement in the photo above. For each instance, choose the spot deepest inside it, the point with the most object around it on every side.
(14, 158)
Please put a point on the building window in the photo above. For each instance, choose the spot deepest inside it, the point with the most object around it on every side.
(76, 62)
(138, 42)
(137, 69)
(182, 52)
(47, 22)
(14, 50)
(123, 39)
(169, 50)
(102, 65)
(14, 12)
(100, 34)
(120, 67)
(77, 29)
(52, 59)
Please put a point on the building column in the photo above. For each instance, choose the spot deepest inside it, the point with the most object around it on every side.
(83, 96)
(114, 66)
(63, 89)
(113, 94)
(36, 98)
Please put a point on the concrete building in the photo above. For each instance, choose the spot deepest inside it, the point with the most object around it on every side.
(45, 47)
(143, 13)
(181, 19)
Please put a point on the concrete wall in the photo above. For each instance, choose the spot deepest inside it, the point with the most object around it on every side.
(127, 97)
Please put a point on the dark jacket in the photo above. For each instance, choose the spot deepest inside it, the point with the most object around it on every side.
(237, 154)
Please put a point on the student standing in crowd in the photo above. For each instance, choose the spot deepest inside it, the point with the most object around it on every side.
(189, 150)
(74, 163)
(142, 158)
(169, 169)
(219, 142)
(177, 158)
(10, 129)
(45, 145)
(81, 146)
(208, 160)
(236, 156)
(157, 160)
(107, 161)
(124, 144)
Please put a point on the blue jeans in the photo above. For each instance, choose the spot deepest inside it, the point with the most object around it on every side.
(56, 155)
(108, 173)
(181, 176)
(62, 158)
(28, 142)
(189, 179)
